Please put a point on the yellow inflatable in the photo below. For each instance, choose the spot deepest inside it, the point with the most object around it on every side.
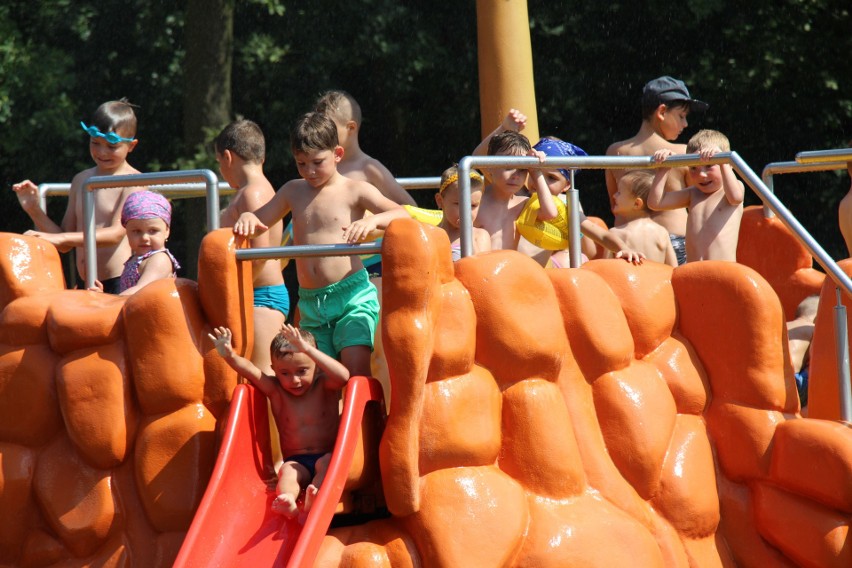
(430, 216)
(551, 234)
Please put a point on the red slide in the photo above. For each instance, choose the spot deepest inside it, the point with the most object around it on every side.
(234, 525)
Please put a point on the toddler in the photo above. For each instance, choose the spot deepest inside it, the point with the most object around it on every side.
(146, 216)
(304, 393)
(447, 199)
(637, 230)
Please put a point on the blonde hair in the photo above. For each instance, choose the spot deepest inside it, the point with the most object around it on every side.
(451, 176)
(707, 139)
(640, 182)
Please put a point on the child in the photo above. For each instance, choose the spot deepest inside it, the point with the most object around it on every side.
(304, 393)
(447, 199)
(554, 183)
(665, 105)
(337, 302)
(500, 204)
(112, 136)
(800, 332)
(240, 151)
(344, 110)
(714, 197)
(845, 212)
(638, 231)
(147, 217)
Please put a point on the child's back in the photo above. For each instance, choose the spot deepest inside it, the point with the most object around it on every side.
(637, 230)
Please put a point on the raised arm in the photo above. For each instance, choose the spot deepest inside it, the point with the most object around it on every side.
(515, 120)
(221, 338)
(658, 198)
(734, 188)
(547, 208)
(336, 375)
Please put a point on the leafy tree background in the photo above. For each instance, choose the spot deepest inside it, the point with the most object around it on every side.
(776, 74)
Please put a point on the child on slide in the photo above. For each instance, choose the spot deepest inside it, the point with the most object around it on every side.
(304, 392)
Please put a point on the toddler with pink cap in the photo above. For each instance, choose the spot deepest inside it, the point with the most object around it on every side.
(147, 217)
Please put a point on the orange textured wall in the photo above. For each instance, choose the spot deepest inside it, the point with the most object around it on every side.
(108, 408)
(768, 247)
(611, 415)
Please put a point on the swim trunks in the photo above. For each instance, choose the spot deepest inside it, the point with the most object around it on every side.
(112, 285)
(273, 297)
(679, 246)
(308, 461)
(802, 386)
(341, 314)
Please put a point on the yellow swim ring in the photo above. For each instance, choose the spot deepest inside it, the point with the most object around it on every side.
(549, 235)
(431, 216)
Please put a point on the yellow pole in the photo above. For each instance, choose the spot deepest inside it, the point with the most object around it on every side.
(505, 64)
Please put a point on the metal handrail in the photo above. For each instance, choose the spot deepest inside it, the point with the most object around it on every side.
(622, 162)
(161, 178)
(198, 189)
(838, 155)
(792, 168)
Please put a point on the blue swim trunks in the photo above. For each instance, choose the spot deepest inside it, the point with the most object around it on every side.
(308, 461)
(341, 314)
(679, 246)
(273, 297)
(802, 386)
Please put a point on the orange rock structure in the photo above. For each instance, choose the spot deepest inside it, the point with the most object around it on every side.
(606, 416)
(108, 408)
(610, 415)
(771, 249)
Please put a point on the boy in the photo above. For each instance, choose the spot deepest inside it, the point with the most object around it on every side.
(553, 183)
(304, 393)
(844, 212)
(342, 108)
(665, 105)
(638, 231)
(714, 197)
(241, 151)
(800, 333)
(337, 302)
(112, 136)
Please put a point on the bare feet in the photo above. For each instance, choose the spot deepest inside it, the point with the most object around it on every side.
(285, 504)
(310, 494)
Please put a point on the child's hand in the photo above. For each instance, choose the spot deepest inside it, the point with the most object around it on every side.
(537, 154)
(359, 230)
(294, 337)
(515, 120)
(248, 225)
(631, 256)
(98, 287)
(707, 153)
(27, 194)
(221, 340)
(662, 154)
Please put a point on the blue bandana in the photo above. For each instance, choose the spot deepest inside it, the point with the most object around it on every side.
(559, 148)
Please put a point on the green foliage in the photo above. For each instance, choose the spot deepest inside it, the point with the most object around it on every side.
(777, 75)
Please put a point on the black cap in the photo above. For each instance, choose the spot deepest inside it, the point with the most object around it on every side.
(667, 89)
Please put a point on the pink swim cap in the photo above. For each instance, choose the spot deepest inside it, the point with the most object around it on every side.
(146, 205)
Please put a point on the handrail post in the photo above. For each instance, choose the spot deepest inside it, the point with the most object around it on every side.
(842, 350)
(574, 235)
(212, 183)
(89, 240)
(466, 224)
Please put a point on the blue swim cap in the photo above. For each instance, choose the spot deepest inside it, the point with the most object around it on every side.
(558, 148)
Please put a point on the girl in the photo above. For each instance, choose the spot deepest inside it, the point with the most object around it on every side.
(146, 216)
(447, 199)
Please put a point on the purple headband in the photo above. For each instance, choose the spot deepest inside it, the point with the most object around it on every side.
(146, 205)
(557, 149)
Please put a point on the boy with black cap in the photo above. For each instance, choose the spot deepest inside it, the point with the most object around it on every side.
(666, 102)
